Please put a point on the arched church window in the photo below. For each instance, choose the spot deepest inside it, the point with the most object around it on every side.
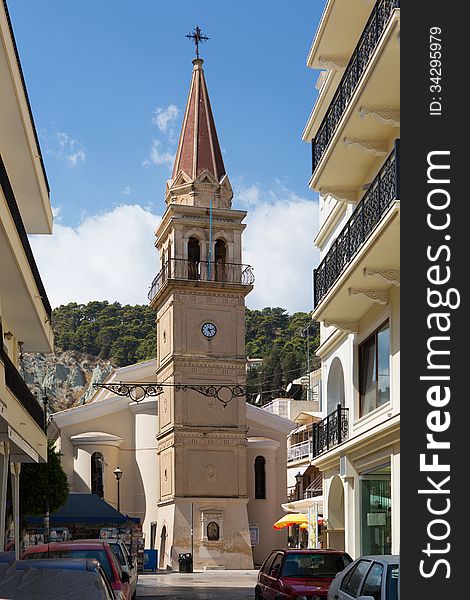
(213, 531)
(194, 257)
(220, 254)
(97, 474)
(260, 478)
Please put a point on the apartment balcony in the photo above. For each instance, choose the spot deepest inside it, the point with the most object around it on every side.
(363, 261)
(17, 386)
(20, 145)
(340, 26)
(299, 451)
(192, 272)
(331, 431)
(25, 305)
(364, 109)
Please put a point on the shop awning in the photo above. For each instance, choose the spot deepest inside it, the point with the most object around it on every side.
(85, 508)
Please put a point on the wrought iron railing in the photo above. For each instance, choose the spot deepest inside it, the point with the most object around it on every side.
(193, 270)
(21, 391)
(16, 216)
(331, 431)
(298, 451)
(381, 193)
(362, 54)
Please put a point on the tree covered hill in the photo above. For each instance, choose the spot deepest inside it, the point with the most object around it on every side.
(124, 334)
(287, 345)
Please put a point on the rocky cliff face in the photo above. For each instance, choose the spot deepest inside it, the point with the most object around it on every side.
(66, 378)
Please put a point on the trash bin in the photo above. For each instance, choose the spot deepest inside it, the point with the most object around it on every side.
(185, 561)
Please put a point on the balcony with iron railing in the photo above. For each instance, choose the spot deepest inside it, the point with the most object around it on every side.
(17, 386)
(381, 194)
(360, 59)
(180, 269)
(331, 431)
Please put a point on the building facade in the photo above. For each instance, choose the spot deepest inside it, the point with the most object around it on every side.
(354, 131)
(111, 431)
(25, 312)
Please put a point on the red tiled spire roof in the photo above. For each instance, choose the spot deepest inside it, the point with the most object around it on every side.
(198, 147)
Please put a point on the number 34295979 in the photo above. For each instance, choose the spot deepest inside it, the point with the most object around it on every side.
(435, 54)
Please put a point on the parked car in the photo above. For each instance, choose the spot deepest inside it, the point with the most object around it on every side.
(96, 549)
(295, 574)
(368, 578)
(127, 562)
(33, 580)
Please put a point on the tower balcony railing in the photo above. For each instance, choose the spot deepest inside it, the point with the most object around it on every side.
(358, 63)
(331, 431)
(18, 387)
(382, 192)
(184, 269)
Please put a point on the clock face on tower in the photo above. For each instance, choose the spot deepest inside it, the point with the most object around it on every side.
(209, 330)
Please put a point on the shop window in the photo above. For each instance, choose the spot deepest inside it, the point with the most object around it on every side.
(376, 515)
(374, 370)
(260, 478)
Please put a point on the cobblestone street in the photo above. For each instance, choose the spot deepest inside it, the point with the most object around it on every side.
(211, 585)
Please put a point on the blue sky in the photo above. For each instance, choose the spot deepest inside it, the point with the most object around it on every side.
(108, 82)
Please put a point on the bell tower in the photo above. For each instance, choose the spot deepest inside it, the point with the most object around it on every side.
(199, 298)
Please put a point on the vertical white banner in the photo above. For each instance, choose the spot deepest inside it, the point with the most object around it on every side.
(313, 526)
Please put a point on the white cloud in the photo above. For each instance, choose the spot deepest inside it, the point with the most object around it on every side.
(278, 243)
(127, 190)
(64, 147)
(109, 256)
(163, 116)
(159, 156)
(76, 157)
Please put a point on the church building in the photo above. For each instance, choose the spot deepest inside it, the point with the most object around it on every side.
(205, 471)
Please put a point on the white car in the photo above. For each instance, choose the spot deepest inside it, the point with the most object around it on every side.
(367, 578)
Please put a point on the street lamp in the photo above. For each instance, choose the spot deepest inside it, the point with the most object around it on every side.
(118, 474)
(298, 479)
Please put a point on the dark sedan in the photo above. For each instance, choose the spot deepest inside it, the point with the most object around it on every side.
(294, 574)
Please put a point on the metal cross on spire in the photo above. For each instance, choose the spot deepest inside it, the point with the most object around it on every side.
(198, 37)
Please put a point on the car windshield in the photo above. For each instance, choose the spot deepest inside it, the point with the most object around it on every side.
(78, 553)
(392, 583)
(314, 565)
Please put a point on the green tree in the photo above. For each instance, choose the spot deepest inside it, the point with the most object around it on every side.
(43, 483)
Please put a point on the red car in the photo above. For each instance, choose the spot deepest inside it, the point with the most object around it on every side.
(98, 550)
(295, 574)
